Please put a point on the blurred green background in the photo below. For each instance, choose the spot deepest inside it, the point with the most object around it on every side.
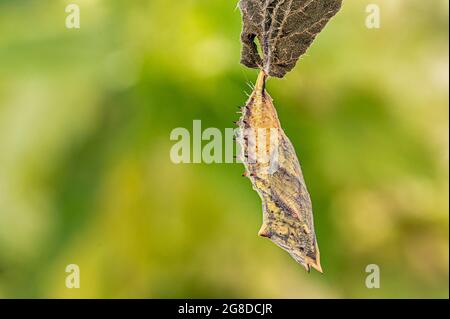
(86, 178)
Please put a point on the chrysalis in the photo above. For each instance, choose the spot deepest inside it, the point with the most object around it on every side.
(274, 170)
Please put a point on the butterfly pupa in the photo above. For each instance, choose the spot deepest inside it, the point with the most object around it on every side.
(272, 166)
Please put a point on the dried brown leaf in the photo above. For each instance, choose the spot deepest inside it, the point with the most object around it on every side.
(284, 29)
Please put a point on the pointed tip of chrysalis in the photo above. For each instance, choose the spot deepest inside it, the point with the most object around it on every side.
(310, 263)
(317, 267)
(314, 263)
